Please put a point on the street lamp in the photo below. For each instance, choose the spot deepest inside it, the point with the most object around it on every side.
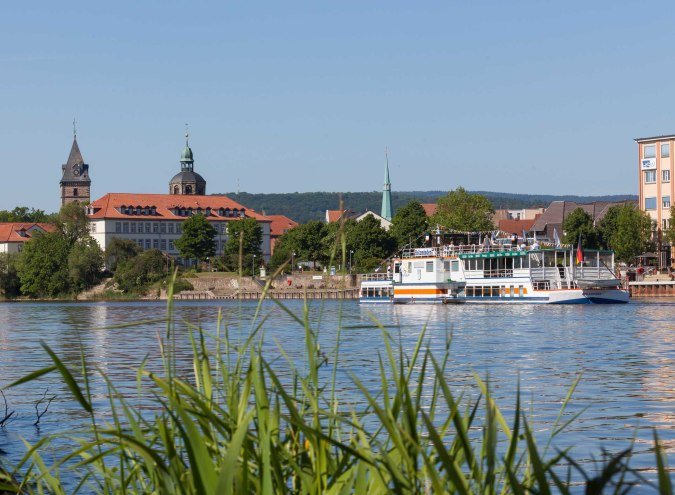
(253, 266)
(292, 260)
(350, 261)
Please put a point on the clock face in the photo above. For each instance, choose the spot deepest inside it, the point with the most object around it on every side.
(76, 171)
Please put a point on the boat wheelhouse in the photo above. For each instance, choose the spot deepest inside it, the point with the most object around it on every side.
(486, 272)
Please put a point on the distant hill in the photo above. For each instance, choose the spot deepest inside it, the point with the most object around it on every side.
(303, 207)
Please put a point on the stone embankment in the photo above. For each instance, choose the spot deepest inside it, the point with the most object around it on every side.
(296, 286)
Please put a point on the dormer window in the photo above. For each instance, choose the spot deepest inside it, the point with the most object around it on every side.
(153, 210)
(242, 213)
(207, 212)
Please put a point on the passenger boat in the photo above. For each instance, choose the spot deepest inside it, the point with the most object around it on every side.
(496, 273)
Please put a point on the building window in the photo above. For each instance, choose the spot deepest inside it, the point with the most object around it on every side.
(171, 228)
(125, 227)
(133, 227)
(650, 203)
(171, 248)
(163, 245)
(155, 243)
(162, 228)
(650, 176)
(665, 150)
(665, 175)
(649, 151)
(147, 227)
(155, 228)
(118, 227)
(92, 228)
(75, 191)
(179, 228)
(666, 201)
(147, 244)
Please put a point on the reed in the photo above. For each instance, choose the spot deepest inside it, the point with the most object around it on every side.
(236, 425)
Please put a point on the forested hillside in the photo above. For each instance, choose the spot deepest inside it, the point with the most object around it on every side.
(303, 207)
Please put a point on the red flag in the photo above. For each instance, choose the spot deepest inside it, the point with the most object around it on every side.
(580, 253)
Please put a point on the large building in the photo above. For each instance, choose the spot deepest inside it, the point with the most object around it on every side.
(655, 170)
(155, 221)
(13, 235)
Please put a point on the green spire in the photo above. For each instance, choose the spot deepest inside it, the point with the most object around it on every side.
(386, 191)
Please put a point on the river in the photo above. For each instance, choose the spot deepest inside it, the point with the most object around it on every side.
(625, 354)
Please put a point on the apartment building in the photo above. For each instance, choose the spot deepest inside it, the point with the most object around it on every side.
(655, 169)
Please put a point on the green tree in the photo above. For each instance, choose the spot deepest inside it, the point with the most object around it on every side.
(137, 273)
(669, 234)
(10, 284)
(85, 263)
(460, 210)
(72, 222)
(627, 231)
(579, 225)
(370, 243)
(243, 247)
(409, 223)
(118, 251)
(24, 214)
(198, 239)
(43, 265)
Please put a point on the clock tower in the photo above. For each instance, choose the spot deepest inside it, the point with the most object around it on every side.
(75, 181)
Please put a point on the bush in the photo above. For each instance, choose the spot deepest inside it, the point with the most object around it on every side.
(138, 273)
(181, 284)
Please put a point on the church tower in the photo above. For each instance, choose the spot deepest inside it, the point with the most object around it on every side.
(75, 182)
(187, 181)
(386, 191)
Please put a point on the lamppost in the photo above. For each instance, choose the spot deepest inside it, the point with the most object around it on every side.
(350, 261)
(292, 260)
(253, 266)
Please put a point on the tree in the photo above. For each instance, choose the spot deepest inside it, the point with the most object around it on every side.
(579, 225)
(136, 273)
(409, 223)
(120, 250)
(627, 231)
(670, 233)
(24, 214)
(198, 239)
(72, 222)
(463, 211)
(43, 265)
(243, 245)
(370, 242)
(10, 284)
(85, 263)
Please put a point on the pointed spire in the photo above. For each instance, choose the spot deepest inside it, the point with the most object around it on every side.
(386, 190)
(74, 129)
(75, 157)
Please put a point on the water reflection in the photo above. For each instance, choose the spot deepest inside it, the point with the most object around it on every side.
(625, 354)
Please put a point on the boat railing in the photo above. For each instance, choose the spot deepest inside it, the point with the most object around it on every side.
(594, 273)
(376, 277)
(452, 250)
(498, 273)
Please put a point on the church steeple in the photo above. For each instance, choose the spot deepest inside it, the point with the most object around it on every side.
(187, 181)
(386, 191)
(75, 182)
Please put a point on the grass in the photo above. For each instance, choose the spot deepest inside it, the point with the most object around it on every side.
(237, 426)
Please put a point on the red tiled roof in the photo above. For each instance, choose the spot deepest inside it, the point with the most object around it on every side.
(517, 226)
(429, 208)
(280, 224)
(109, 206)
(335, 215)
(10, 232)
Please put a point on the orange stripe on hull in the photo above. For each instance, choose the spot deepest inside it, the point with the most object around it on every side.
(414, 292)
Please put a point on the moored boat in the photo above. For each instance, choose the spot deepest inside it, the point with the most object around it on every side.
(486, 272)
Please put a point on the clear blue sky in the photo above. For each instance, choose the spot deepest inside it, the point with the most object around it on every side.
(531, 97)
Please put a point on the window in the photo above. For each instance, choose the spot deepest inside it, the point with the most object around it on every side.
(650, 203)
(118, 227)
(665, 150)
(171, 228)
(171, 248)
(155, 228)
(125, 227)
(665, 175)
(649, 151)
(455, 266)
(163, 245)
(147, 244)
(179, 228)
(75, 191)
(650, 176)
(92, 228)
(133, 227)
(430, 266)
(666, 201)
(162, 228)
(147, 227)
(155, 243)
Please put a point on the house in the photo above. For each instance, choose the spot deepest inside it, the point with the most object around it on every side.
(554, 216)
(279, 226)
(384, 223)
(14, 235)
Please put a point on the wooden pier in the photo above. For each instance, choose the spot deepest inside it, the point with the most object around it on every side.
(652, 288)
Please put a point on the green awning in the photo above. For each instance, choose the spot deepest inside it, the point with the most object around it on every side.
(493, 254)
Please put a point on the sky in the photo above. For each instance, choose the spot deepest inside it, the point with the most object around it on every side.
(522, 97)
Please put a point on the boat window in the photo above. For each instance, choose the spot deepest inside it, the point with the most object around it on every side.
(430, 266)
(479, 264)
(446, 266)
(455, 266)
(470, 291)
